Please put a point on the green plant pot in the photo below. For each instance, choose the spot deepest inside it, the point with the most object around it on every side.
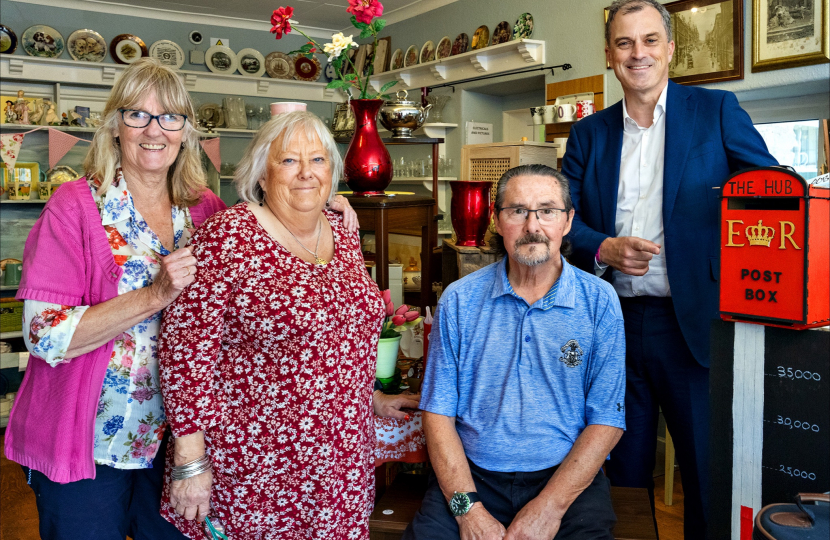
(387, 357)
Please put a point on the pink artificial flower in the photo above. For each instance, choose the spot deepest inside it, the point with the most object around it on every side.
(411, 315)
(365, 10)
(390, 309)
(280, 21)
(402, 309)
(387, 296)
(398, 320)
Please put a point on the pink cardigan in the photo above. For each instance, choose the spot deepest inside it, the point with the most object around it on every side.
(67, 260)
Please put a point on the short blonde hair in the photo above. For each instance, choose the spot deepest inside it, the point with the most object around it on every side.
(185, 178)
(254, 165)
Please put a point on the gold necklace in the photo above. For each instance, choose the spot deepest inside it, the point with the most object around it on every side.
(317, 259)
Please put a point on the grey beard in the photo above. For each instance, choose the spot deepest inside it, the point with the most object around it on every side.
(535, 257)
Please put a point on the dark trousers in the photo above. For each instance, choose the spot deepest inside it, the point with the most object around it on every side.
(115, 504)
(661, 371)
(590, 517)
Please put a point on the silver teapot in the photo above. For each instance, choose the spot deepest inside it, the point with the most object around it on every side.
(402, 117)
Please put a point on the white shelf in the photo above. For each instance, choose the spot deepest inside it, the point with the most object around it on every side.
(492, 60)
(439, 125)
(9, 360)
(11, 335)
(418, 179)
(30, 201)
(53, 70)
(9, 287)
(29, 127)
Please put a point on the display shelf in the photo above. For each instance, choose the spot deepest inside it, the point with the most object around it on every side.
(417, 179)
(492, 60)
(11, 335)
(30, 201)
(53, 70)
(9, 360)
(29, 127)
(9, 287)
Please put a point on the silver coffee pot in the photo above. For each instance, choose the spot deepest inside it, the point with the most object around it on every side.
(402, 117)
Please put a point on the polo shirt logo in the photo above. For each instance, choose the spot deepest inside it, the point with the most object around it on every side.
(572, 354)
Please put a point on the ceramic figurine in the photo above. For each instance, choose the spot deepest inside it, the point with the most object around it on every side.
(64, 120)
(22, 109)
(37, 111)
(11, 116)
(52, 115)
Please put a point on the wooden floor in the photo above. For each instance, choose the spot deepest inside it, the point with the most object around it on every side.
(18, 515)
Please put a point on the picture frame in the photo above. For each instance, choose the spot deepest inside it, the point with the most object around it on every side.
(709, 41)
(360, 58)
(342, 122)
(605, 22)
(789, 33)
(383, 54)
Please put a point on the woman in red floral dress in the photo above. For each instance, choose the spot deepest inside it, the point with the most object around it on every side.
(268, 358)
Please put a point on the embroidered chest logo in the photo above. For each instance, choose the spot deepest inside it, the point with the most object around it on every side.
(571, 353)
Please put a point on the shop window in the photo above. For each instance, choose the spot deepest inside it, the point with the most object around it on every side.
(794, 144)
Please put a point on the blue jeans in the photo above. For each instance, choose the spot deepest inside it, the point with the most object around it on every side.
(117, 503)
(503, 495)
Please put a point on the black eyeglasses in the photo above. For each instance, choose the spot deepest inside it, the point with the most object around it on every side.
(138, 119)
(517, 214)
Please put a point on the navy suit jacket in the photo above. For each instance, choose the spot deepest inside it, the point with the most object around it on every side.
(708, 137)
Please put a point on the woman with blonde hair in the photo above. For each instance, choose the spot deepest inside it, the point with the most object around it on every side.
(107, 255)
(268, 359)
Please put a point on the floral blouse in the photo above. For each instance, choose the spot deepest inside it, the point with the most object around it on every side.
(130, 421)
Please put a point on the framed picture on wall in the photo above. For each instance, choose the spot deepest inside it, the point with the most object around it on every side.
(789, 33)
(382, 55)
(709, 41)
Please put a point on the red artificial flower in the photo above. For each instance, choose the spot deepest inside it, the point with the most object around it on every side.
(398, 320)
(365, 10)
(280, 21)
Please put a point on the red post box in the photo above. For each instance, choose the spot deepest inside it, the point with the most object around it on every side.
(775, 249)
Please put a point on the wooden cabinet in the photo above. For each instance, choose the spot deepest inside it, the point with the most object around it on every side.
(593, 84)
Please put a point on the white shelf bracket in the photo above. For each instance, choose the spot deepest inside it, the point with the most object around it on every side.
(404, 78)
(328, 92)
(262, 86)
(376, 84)
(480, 62)
(528, 52)
(439, 71)
(190, 80)
(108, 74)
(16, 66)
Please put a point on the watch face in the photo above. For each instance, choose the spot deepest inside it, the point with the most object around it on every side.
(460, 504)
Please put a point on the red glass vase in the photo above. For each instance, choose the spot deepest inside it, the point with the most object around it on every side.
(470, 211)
(367, 165)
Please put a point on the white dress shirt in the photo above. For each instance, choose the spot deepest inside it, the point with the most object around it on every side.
(640, 200)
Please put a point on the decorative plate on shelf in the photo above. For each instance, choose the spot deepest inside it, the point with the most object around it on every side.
(427, 53)
(251, 63)
(411, 57)
(43, 41)
(61, 174)
(397, 60)
(461, 44)
(86, 46)
(221, 59)
(211, 112)
(307, 69)
(8, 40)
(168, 53)
(523, 27)
(279, 65)
(444, 48)
(502, 33)
(127, 49)
(481, 38)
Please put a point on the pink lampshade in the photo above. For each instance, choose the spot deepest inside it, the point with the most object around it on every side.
(286, 106)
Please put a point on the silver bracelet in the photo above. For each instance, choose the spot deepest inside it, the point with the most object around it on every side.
(191, 469)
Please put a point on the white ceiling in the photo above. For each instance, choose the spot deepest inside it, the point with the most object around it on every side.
(326, 16)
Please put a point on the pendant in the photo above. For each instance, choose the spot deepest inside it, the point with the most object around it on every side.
(319, 261)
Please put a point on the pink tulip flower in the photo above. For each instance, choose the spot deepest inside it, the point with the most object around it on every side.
(401, 310)
(411, 315)
(398, 320)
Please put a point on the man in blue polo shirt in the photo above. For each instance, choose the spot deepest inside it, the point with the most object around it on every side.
(524, 388)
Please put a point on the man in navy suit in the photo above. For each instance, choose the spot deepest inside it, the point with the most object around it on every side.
(644, 176)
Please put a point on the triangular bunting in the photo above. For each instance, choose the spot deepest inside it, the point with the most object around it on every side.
(10, 144)
(60, 144)
(211, 148)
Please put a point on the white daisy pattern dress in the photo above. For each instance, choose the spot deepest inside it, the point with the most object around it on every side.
(274, 359)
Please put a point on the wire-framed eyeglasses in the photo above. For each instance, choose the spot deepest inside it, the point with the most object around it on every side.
(517, 215)
(138, 119)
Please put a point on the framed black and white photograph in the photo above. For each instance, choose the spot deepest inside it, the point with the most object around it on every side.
(708, 37)
(789, 33)
(342, 123)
